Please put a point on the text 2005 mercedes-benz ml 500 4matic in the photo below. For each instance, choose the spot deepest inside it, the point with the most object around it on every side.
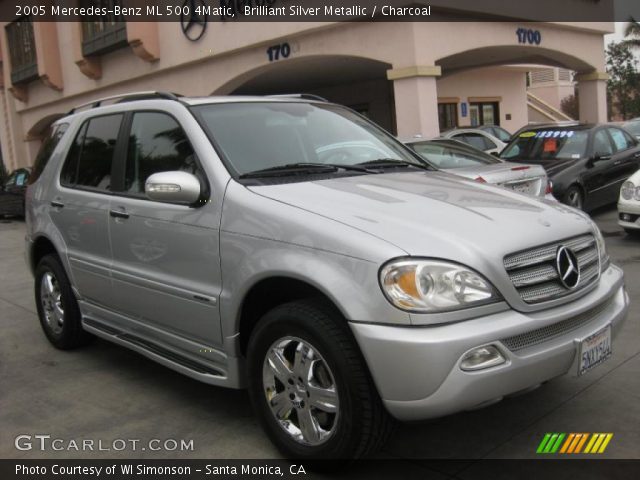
(289, 246)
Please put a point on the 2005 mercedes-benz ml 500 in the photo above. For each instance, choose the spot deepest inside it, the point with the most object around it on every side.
(290, 246)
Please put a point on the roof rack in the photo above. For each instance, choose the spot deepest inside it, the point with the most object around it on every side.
(128, 97)
(305, 96)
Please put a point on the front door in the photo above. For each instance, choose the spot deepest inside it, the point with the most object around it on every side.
(166, 264)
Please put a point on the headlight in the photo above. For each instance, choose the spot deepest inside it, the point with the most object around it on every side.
(628, 191)
(429, 286)
(602, 249)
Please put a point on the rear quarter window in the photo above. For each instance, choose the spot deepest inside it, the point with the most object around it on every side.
(49, 144)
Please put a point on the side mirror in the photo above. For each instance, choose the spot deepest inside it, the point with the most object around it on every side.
(495, 154)
(598, 157)
(173, 187)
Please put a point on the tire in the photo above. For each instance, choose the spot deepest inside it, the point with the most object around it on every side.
(58, 309)
(352, 422)
(574, 197)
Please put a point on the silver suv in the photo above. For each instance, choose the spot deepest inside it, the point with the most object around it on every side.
(291, 247)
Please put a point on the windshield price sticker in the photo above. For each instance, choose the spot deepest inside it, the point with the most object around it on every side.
(554, 134)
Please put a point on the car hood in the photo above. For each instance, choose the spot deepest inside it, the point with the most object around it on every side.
(434, 213)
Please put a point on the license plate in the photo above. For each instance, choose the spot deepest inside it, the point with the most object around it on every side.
(521, 187)
(594, 350)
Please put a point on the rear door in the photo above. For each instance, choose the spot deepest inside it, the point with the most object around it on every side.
(166, 262)
(79, 206)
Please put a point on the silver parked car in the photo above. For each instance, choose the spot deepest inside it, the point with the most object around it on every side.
(477, 138)
(460, 159)
(209, 235)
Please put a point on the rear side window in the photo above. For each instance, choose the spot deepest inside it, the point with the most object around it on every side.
(621, 139)
(49, 144)
(157, 143)
(91, 155)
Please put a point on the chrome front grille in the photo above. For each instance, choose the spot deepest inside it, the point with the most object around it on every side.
(534, 274)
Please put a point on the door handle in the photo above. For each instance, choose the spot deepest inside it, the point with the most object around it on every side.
(57, 204)
(636, 155)
(119, 214)
(617, 162)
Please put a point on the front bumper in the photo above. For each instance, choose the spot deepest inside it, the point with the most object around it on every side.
(417, 369)
(631, 208)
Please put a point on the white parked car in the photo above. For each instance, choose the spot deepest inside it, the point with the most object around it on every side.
(476, 138)
(629, 204)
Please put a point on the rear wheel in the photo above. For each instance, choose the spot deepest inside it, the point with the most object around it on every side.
(574, 197)
(57, 306)
(310, 386)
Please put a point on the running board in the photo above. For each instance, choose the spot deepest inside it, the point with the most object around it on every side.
(156, 352)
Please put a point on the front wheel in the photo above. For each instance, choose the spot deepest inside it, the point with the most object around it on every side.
(310, 387)
(574, 197)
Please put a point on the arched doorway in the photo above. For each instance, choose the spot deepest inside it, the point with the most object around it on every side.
(491, 85)
(359, 83)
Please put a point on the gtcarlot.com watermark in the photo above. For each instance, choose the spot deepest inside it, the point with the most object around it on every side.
(46, 442)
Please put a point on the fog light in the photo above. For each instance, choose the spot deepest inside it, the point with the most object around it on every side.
(625, 217)
(481, 357)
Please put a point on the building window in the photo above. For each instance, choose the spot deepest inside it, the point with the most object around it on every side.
(106, 35)
(22, 51)
(447, 116)
(484, 113)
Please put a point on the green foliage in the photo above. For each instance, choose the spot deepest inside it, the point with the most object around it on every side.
(570, 106)
(632, 32)
(623, 87)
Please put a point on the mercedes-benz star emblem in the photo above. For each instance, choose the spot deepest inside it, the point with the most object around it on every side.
(193, 24)
(568, 268)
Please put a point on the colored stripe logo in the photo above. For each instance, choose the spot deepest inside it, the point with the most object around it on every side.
(573, 443)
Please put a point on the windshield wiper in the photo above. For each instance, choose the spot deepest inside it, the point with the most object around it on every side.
(394, 163)
(303, 168)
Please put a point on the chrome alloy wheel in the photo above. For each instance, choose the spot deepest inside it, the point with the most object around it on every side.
(51, 301)
(300, 391)
(574, 199)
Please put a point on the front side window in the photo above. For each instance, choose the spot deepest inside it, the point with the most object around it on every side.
(261, 135)
(157, 143)
(89, 161)
(602, 144)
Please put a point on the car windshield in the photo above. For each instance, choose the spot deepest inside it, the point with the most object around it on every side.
(445, 156)
(267, 135)
(552, 144)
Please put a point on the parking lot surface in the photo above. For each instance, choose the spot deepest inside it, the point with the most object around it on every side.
(104, 392)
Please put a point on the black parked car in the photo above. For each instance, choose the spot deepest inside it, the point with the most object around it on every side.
(587, 164)
(12, 193)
